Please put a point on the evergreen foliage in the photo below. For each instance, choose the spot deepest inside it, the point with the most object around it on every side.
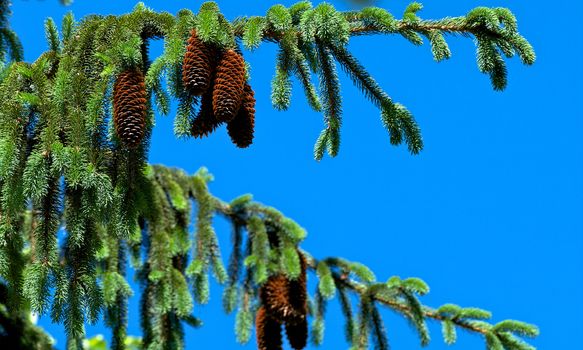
(79, 204)
(17, 329)
(10, 46)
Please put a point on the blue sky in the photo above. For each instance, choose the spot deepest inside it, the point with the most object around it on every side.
(490, 214)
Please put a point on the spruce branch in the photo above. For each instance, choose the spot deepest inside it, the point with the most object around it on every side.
(378, 21)
(308, 37)
(495, 31)
(467, 319)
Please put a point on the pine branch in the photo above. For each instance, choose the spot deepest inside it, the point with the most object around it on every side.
(450, 25)
(427, 311)
(467, 319)
(308, 38)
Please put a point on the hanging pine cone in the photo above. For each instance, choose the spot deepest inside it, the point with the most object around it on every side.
(205, 121)
(285, 299)
(274, 295)
(296, 326)
(198, 65)
(129, 107)
(298, 292)
(241, 128)
(297, 334)
(229, 84)
(268, 331)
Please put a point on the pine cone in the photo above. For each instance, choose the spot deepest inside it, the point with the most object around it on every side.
(198, 65)
(298, 293)
(296, 326)
(241, 128)
(297, 334)
(284, 299)
(129, 107)
(268, 331)
(205, 122)
(274, 295)
(229, 84)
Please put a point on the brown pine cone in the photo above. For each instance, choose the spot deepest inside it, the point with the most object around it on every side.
(229, 85)
(298, 293)
(296, 326)
(198, 65)
(268, 331)
(129, 107)
(274, 295)
(205, 121)
(284, 299)
(297, 333)
(241, 128)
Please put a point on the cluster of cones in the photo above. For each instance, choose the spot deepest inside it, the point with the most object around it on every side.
(218, 76)
(283, 302)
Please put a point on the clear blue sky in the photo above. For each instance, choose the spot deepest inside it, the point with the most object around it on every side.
(490, 214)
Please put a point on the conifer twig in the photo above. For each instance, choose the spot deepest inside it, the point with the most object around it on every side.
(449, 25)
(427, 311)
